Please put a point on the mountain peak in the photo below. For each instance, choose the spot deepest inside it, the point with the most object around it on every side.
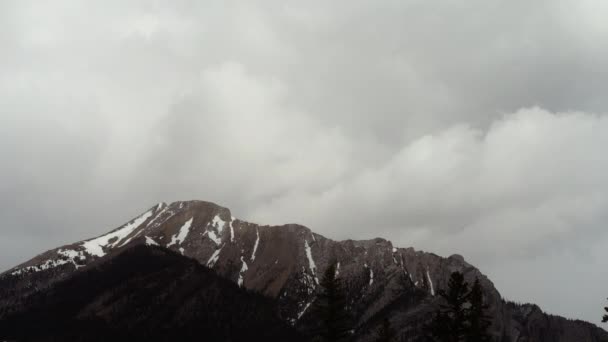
(285, 263)
(199, 207)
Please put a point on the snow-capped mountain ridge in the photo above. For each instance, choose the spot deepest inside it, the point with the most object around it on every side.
(283, 262)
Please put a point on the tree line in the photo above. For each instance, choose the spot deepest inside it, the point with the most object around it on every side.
(461, 316)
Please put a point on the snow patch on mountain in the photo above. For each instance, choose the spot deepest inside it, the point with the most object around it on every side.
(255, 246)
(213, 237)
(428, 276)
(71, 254)
(44, 266)
(214, 257)
(69, 257)
(151, 242)
(95, 246)
(126, 241)
(371, 273)
(158, 214)
(180, 237)
(244, 269)
(310, 283)
(232, 229)
(218, 223)
(311, 262)
(301, 313)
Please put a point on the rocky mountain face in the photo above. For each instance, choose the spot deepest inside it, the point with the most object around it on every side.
(286, 263)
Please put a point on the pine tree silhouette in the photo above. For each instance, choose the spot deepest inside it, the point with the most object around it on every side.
(605, 318)
(439, 328)
(331, 306)
(478, 321)
(450, 321)
(386, 332)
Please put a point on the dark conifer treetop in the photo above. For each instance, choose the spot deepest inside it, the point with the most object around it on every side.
(462, 317)
(336, 323)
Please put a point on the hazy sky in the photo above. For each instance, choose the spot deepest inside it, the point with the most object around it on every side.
(474, 127)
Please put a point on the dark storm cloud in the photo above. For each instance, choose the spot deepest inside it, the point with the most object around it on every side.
(473, 128)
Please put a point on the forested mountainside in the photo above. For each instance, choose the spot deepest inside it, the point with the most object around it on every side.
(144, 293)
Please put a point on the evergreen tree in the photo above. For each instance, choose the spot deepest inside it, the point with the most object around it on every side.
(478, 321)
(450, 321)
(605, 318)
(439, 328)
(331, 306)
(386, 332)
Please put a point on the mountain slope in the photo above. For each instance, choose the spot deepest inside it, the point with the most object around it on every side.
(285, 263)
(144, 293)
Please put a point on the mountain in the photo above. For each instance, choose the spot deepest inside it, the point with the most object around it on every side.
(285, 262)
(145, 293)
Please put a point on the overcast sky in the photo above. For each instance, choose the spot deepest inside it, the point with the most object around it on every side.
(474, 127)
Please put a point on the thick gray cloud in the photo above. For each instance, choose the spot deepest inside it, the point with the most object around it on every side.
(475, 128)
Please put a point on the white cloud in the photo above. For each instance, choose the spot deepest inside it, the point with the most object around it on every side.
(235, 128)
